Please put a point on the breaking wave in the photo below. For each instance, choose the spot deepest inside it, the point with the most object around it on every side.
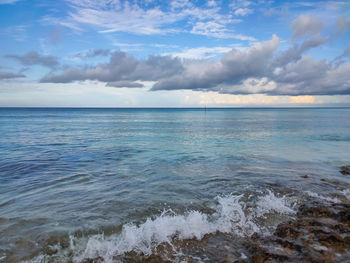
(233, 214)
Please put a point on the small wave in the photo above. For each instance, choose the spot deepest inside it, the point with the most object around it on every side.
(325, 198)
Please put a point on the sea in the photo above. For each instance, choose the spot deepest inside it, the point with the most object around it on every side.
(121, 185)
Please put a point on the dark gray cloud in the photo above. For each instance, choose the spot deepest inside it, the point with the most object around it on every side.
(34, 58)
(121, 66)
(306, 25)
(124, 84)
(9, 75)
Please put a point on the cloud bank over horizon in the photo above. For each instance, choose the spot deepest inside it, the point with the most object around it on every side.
(259, 69)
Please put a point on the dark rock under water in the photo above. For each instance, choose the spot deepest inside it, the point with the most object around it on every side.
(345, 170)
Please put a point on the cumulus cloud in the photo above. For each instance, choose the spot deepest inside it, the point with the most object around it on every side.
(9, 75)
(258, 69)
(34, 58)
(306, 25)
(234, 67)
(308, 76)
(122, 66)
(295, 52)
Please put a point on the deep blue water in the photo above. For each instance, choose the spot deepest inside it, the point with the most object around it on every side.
(74, 173)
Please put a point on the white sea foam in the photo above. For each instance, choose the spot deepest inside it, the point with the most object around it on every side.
(272, 203)
(231, 216)
(328, 199)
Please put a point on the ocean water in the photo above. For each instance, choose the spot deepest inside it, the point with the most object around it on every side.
(112, 185)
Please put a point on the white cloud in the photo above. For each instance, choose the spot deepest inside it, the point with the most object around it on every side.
(212, 3)
(243, 11)
(240, 7)
(201, 52)
(115, 16)
(215, 29)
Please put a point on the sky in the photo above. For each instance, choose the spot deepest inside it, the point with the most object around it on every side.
(176, 53)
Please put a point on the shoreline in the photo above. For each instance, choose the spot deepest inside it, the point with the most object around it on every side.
(319, 231)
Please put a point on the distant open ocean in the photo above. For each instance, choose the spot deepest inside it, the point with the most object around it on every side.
(112, 185)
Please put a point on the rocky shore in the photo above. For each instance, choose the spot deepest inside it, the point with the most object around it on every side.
(319, 232)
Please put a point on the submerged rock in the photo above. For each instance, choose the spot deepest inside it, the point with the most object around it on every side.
(345, 170)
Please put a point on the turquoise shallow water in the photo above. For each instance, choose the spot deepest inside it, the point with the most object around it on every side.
(69, 175)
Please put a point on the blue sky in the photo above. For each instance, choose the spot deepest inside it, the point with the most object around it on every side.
(114, 53)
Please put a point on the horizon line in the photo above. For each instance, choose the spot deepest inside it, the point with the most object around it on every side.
(155, 107)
